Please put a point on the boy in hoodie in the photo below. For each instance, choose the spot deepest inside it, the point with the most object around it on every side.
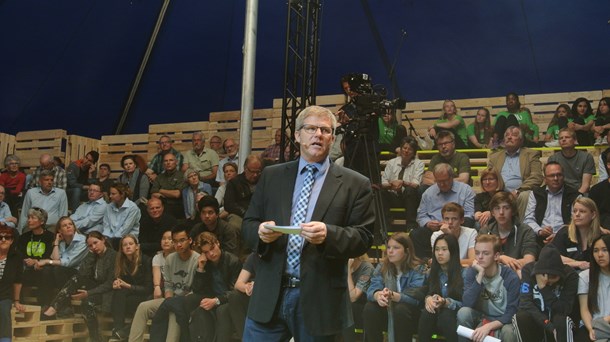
(548, 292)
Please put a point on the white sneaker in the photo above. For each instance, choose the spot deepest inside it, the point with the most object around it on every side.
(552, 143)
(600, 141)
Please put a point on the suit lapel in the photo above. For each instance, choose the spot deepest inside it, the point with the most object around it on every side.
(523, 162)
(287, 190)
(331, 186)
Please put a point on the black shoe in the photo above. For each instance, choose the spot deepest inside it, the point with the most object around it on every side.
(66, 313)
(44, 317)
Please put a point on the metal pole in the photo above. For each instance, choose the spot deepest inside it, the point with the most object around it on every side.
(247, 88)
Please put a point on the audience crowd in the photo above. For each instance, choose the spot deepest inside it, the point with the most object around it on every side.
(523, 260)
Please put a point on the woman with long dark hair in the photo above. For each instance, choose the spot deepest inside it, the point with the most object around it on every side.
(132, 284)
(92, 285)
(445, 287)
(396, 293)
(582, 121)
(594, 293)
(558, 121)
(602, 121)
(134, 176)
(480, 132)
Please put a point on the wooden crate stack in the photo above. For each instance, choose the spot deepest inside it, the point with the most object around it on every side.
(28, 327)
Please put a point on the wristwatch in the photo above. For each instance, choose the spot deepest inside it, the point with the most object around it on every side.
(217, 302)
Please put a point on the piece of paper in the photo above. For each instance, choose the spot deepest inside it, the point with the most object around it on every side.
(467, 332)
(284, 229)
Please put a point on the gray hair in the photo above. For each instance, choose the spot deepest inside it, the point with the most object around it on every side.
(11, 158)
(512, 128)
(189, 172)
(39, 213)
(316, 111)
(443, 167)
(199, 133)
(45, 173)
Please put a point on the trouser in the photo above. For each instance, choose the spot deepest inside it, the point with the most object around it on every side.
(601, 121)
(123, 303)
(408, 199)
(54, 277)
(528, 330)
(6, 328)
(238, 308)
(181, 307)
(146, 310)
(64, 297)
(444, 322)
(376, 321)
(349, 333)
(471, 318)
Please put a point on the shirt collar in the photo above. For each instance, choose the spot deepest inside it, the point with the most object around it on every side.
(320, 166)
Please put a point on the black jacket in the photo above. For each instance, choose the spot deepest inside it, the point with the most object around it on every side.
(229, 267)
(569, 195)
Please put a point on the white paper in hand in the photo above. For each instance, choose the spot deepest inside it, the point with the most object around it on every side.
(284, 229)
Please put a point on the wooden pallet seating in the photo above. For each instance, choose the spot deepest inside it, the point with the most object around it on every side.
(30, 145)
(7, 145)
(28, 327)
(114, 147)
(181, 134)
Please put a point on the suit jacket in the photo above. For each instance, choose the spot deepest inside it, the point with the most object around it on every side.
(529, 165)
(345, 205)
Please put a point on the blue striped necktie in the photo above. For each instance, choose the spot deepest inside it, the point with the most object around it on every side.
(294, 240)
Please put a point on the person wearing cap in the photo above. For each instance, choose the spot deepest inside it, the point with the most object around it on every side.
(80, 173)
(548, 293)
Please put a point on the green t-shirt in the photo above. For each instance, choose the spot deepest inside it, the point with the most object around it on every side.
(460, 129)
(524, 119)
(481, 136)
(553, 131)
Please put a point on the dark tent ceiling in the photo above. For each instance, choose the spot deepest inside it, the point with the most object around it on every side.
(70, 64)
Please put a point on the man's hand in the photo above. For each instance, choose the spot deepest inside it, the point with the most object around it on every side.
(445, 228)
(484, 217)
(208, 303)
(434, 225)
(80, 295)
(249, 287)
(314, 232)
(201, 261)
(542, 280)
(396, 184)
(30, 262)
(549, 239)
(545, 231)
(268, 235)
(481, 332)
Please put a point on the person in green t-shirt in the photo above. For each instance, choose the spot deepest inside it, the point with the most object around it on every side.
(451, 121)
(560, 120)
(582, 121)
(515, 115)
(480, 132)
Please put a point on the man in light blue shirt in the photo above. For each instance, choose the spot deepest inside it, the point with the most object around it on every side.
(6, 218)
(429, 216)
(89, 216)
(53, 200)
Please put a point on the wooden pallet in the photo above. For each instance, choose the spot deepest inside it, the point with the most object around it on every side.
(7, 145)
(30, 145)
(79, 146)
(114, 147)
(181, 134)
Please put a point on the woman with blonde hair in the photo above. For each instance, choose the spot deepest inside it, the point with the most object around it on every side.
(491, 183)
(451, 121)
(396, 293)
(132, 283)
(574, 240)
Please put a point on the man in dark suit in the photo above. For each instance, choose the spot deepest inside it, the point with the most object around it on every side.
(308, 300)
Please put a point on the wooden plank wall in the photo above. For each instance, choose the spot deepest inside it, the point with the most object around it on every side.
(31, 144)
(79, 146)
(181, 134)
(264, 124)
(7, 146)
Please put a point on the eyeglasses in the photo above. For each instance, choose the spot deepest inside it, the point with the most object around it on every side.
(440, 144)
(312, 129)
(488, 180)
(6, 237)
(256, 172)
(181, 241)
(164, 142)
(93, 190)
(555, 175)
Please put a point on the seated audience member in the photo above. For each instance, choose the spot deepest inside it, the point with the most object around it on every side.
(59, 163)
(134, 177)
(214, 279)
(548, 294)
(178, 275)
(10, 282)
(517, 239)
(445, 287)
(122, 216)
(239, 298)
(453, 217)
(602, 167)
(216, 145)
(491, 183)
(514, 116)
(168, 186)
(34, 245)
(401, 178)
(193, 192)
(157, 163)
(132, 284)
(230, 171)
(241, 188)
(450, 121)
(360, 272)
(92, 285)
(89, 215)
(213, 284)
(232, 155)
(578, 166)
(53, 200)
(491, 294)
(201, 159)
(582, 121)
(593, 294)
(80, 173)
(480, 132)
(6, 218)
(68, 251)
(599, 194)
(271, 154)
(602, 121)
(574, 240)
(152, 225)
(104, 180)
(460, 163)
(227, 234)
(13, 181)
(549, 206)
(558, 121)
(396, 293)
(46, 163)
(391, 131)
(429, 215)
